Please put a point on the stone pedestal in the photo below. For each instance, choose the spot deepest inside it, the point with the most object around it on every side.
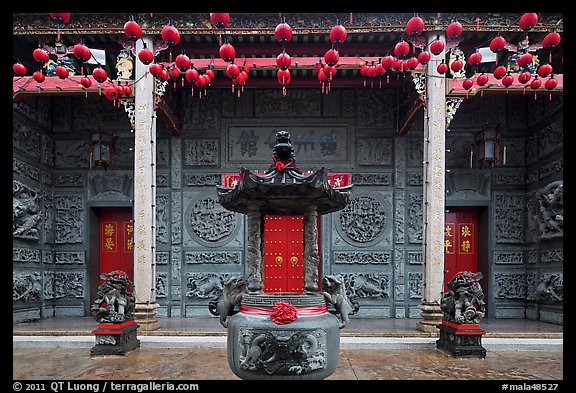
(461, 340)
(307, 348)
(431, 317)
(115, 338)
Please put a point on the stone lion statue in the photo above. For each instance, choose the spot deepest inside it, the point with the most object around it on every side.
(114, 303)
(464, 302)
(231, 296)
(334, 292)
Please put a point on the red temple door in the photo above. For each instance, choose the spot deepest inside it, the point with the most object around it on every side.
(283, 254)
(460, 241)
(116, 235)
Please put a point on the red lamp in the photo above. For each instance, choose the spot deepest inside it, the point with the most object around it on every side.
(283, 61)
(283, 32)
(454, 30)
(145, 55)
(227, 52)
(220, 19)
(414, 26)
(19, 69)
(338, 34)
(100, 74)
(170, 35)
(437, 46)
(132, 30)
(331, 57)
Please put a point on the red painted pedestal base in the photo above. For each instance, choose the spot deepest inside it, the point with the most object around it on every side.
(461, 340)
(115, 338)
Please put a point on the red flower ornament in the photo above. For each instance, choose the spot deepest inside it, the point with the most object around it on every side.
(283, 313)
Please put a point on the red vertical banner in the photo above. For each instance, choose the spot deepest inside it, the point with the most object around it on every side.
(116, 240)
(460, 242)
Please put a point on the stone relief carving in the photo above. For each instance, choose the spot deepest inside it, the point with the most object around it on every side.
(550, 288)
(63, 284)
(213, 257)
(209, 222)
(205, 285)
(24, 138)
(162, 213)
(415, 285)
(25, 255)
(200, 152)
(551, 210)
(26, 211)
(509, 218)
(26, 286)
(161, 284)
(69, 218)
(415, 221)
(510, 285)
(372, 151)
(24, 169)
(369, 285)
(364, 219)
(192, 180)
(370, 104)
(306, 103)
(363, 258)
(372, 179)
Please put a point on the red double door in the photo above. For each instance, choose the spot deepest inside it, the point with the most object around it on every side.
(116, 240)
(283, 254)
(460, 241)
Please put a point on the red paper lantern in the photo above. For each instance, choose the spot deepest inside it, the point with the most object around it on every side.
(99, 74)
(524, 77)
(329, 71)
(456, 65)
(424, 57)
(82, 52)
(61, 72)
(85, 82)
(499, 72)
(174, 73)
(242, 77)
(132, 30)
(163, 75)
(379, 70)
(551, 40)
(210, 73)
(321, 75)
(497, 44)
(60, 17)
(544, 70)
(454, 30)
(283, 60)
(111, 93)
(227, 52)
(475, 58)
(284, 77)
(338, 34)
(19, 69)
(146, 56)
(120, 90)
(401, 49)
(414, 26)
(442, 68)
(40, 55)
(127, 89)
(551, 83)
(525, 60)
(156, 70)
(528, 21)
(39, 76)
(170, 35)
(437, 46)
(412, 63)
(232, 71)
(191, 75)
(388, 61)
(482, 79)
(220, 19)
(331, 57)
(182, 62)
(467, 84)
(507, 80)
(536, 83)
(283, 32)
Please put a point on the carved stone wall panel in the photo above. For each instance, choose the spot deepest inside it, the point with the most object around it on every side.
(26, 211)
(26, 137)
(26, 286)
(176, 273)
(176, 163)
(415, 257)
(415, 179)
(554, 170)
(205, 285)
(510, 285)
(201, 179)
(515, 154)
(459, 147)
(367, 219)
(508, 257)
(550, 207)
(399, 273)
(509, 178)
(74, 180)
(72, 154)
(546, 288)
(161, 285)
(199, 115)
(400, 214)
(213, 257)
(376, 108)
(367, 285)
(415, 152)
(123, 153)
(509, 217)
(415, 285)
(372, 179)
(69, 219)
(25, 255)
(25, 170)
(554, 255)
(374, 151)
(176, 210)
(540, 110)
(162, 180)
(92, 112)
(162, 153)
(551, 138)
(162, 219)
(470, 115)
(47, 257)
(416, 218)
(162, 257)
(58, 284)
(70, 257)
(47, 149)
(271, 103)
(362, 258)
(201, 152)
(207, 223)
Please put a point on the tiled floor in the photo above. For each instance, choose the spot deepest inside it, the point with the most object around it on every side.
(211, 364)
